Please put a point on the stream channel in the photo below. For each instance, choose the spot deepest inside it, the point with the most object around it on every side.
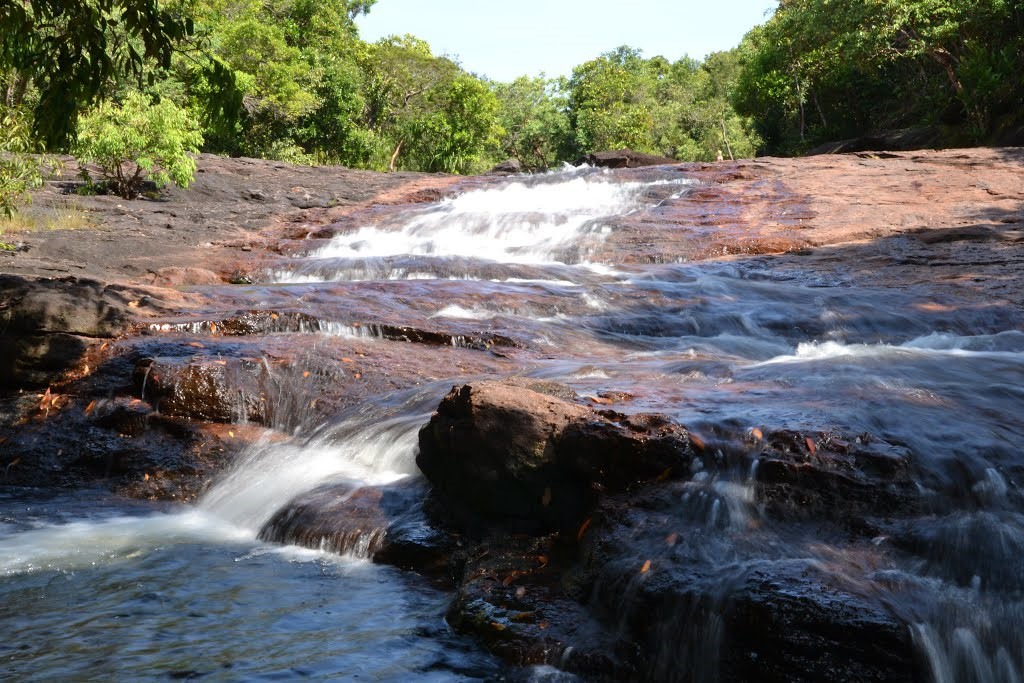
(95, 587)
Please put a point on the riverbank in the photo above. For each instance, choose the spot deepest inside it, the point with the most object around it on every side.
(794, 380)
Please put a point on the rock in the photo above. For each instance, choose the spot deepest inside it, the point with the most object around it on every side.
(533, 462)
(507, 167)
(68, 305)
(716, 598)
(183, 277)
(623, 158)
(511, 597)
(836, 476)
(383, 523)
(203, 388)
(46, 324)
(892, 140)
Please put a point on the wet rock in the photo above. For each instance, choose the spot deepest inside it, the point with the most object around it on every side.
(203, 388)
(533, 462)
(174, 276)
(511, 598)
(715, 598)
(623, 158)
(383, 523)
(507, 167)
(46, 324)
(126, 417)
(838, 476)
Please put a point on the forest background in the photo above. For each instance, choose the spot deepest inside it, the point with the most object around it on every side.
(291, 80)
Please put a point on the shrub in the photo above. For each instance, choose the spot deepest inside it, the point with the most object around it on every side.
(19, 170)
(138, 139)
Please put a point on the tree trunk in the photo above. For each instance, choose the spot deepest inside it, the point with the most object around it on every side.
(394, 157)
(800, 100)
(725, 137)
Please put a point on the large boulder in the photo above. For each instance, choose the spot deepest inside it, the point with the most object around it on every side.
(624, 158)
(502, 453)
(47, 324)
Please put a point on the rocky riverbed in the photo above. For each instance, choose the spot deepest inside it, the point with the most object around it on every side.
(740, 421)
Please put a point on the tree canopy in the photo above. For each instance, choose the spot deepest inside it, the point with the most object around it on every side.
(292, 80)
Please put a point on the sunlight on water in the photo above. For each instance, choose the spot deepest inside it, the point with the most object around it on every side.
(517, 222)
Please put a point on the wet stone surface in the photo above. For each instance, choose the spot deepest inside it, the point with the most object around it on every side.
(741, 421)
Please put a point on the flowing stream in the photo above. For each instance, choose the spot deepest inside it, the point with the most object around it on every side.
(99, 588)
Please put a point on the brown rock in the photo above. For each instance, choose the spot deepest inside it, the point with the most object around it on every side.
(533, 462)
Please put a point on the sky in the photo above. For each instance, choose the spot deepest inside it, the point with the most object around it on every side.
(503, 39)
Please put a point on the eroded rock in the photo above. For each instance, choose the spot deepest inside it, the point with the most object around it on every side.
(533, 462)
(383, 523)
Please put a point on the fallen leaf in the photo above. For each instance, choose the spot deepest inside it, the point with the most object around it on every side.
(306, 373)
(600, 399)
(756, 433)
(543, 559)
(697, 441)
(583, 529)
(646, 568)
(104, 345)
(508, 580)
(85, 369)
(197, 345)
(13, 462)
(146, 478)
(497, 626)
(810, 445)
(347, 360)
(133, 304)
(231, 434)
(274, 316)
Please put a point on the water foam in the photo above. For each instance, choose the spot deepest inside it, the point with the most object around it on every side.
(515, 223)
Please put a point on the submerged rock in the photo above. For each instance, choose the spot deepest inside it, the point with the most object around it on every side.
(383, 523)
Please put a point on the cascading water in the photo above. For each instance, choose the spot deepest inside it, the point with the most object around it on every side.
(724, 348)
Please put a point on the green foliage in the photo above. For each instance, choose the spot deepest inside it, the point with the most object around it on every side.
(71, 49)
(533, 122)
(821, 69)
(139, 139)
(20, 171)
(650, 105)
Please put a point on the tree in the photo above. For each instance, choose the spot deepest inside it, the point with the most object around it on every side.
(20, 171)
(69, 50)
(819, 69)
(534, 125)
(139, 139)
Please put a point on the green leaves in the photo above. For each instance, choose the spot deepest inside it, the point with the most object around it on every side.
(20, 171)
(822, 69)
(72, 49)
(137, 140)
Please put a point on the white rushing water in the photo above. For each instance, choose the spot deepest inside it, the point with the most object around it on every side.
(514, 223)
(232, 512)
